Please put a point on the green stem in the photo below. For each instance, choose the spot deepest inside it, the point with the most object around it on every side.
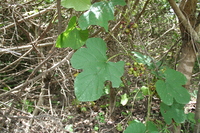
(149, 100)
(149, 108)
(114, 56)
(119, 43)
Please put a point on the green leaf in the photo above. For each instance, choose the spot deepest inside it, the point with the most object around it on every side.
(89, 84)
(99, 14)
(78, 5)
(124, 99)
(191, 117)
(69, 128)
(119, 127)
(172, 88)
(139, 96)
(136, 127)
(151, 128)
(145, 90)
(72, 37)
(84, 58)
(175, 112)
(146, 60)
(118, 2)
(83, 109)
(6, 88)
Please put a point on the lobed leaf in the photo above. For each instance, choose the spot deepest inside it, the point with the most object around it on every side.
(171, 88)
(137, 127)
(96, 70)
(99, 14)
(174, 111)
(72, 37)
(142, 58)
(78, 5)
(151, 127)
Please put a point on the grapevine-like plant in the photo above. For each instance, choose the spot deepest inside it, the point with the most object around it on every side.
(170, 90)
(78, 5)
(73, 36)
(97, 68)
(92, 60)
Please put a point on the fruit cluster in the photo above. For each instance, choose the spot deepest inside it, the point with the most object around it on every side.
(128, 26)
(136, 69)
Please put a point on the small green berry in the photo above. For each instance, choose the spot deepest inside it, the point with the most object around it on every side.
(131, 69)
(130, 72)
(128, 63)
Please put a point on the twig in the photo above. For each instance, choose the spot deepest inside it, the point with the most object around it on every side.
(51, 52)
(36, 110)
(14, 50)
(184, 21)
(29, 17)
(175, 44)
(173, 27)
(143, 10)
(30, 116)
(14, 108)
(23, 85)
(59, 16)
(113, 29)
(135, 4)
(3, 70)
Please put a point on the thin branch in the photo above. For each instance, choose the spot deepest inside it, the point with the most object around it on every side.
(143, 10)
(135, 4)
(160, 37)
(3, 70)
(23, 85)
(184, 21)
(29, 17)
(14, 50)
(59, 16)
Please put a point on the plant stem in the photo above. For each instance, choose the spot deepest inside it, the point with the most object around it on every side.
(114, 56)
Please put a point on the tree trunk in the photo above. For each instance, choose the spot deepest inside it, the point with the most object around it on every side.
(197, 113)
(189, 38)
(188, 56)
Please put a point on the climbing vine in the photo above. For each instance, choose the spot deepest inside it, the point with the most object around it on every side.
(97, 68)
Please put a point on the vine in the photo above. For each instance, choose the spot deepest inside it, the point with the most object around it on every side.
(92, 59)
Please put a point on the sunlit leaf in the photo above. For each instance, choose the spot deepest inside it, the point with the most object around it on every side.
(72, 37)
(78, 5)
(99, 14)
(142, 58)
(124, 99)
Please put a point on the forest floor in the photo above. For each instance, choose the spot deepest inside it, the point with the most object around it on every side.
(24, 50)
(63, 114)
